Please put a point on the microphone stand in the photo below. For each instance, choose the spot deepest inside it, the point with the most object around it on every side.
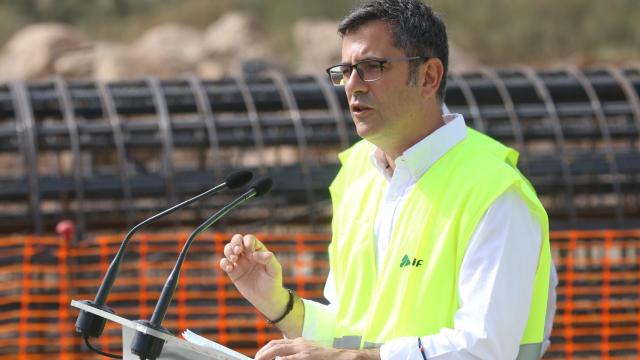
(90, 325)
(149, 347)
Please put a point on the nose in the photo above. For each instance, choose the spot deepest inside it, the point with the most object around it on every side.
(355, 84)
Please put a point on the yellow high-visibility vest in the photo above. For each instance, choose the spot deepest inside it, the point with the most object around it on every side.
(415, 291)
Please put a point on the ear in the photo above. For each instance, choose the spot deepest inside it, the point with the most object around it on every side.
(432, 73)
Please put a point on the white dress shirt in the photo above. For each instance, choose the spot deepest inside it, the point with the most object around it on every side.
(496, 275)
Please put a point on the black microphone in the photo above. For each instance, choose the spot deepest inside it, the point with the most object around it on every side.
(149, 347)
(91, 325)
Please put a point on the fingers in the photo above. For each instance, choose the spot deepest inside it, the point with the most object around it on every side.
(233, 248)
(292, 349)
(296, 356)
(247, 246)
(226, 265)
(275, 348)
(232, 252)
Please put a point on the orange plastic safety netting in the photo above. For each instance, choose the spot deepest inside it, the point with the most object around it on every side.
(598, 296)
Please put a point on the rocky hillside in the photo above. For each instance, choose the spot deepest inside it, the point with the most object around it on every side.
(233, 42)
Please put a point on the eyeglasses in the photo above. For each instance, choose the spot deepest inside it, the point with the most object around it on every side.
(368, 70)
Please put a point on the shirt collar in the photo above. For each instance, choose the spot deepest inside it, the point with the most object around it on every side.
(421, 156)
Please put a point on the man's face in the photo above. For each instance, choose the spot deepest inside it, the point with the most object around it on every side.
(384, 111)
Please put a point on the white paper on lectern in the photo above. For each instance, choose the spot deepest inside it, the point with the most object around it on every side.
(194, 338)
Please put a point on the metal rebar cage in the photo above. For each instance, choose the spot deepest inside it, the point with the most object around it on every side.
(107, 154)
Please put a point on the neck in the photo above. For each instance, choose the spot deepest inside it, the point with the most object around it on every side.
(390, 152)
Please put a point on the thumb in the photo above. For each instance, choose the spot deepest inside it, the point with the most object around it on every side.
(268, 259)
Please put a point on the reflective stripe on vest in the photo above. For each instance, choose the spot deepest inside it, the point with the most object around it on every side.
(353, 342)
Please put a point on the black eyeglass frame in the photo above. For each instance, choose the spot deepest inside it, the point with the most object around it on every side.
(381, 63)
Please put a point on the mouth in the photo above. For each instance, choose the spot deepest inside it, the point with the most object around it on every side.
(360, 109)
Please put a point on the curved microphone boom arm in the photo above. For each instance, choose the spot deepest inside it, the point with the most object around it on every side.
(149, 347)
(90, 325)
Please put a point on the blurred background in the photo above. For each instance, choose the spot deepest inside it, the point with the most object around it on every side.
(113, 110)
(85, 38)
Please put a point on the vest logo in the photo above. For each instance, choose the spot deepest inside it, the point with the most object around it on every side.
(406, 261)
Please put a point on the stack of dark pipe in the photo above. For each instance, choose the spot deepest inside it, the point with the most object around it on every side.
(108, 154)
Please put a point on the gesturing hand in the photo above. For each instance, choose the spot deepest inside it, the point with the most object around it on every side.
(256, 273)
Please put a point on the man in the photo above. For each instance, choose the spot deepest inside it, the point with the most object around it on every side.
(440, 247)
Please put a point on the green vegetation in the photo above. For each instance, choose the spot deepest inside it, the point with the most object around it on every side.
(535, 31)
(498, 32)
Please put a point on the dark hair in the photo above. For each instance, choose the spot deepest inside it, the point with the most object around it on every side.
(416, 29)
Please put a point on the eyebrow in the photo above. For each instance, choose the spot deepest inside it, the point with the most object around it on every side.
(362, 60)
